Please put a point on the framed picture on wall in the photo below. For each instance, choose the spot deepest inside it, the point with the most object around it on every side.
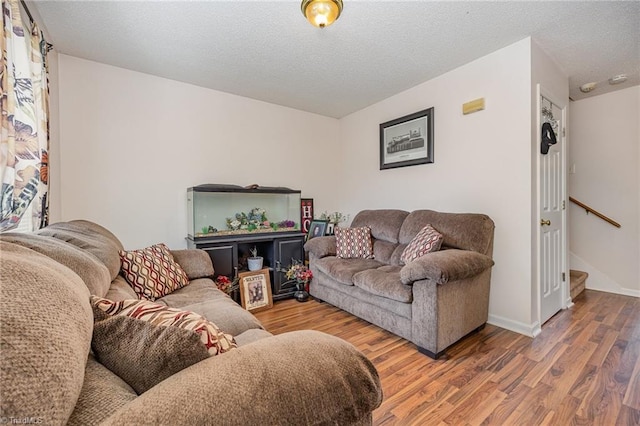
(407, 141)
(255, 290)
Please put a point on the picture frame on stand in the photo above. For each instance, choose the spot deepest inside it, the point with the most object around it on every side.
(317, 228)
(255, 290)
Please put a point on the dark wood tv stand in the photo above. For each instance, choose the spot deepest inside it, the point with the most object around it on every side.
(229, 253)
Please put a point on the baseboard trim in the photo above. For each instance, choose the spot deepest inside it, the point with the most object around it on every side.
(622, 291)
(530, 330)
(598, 280)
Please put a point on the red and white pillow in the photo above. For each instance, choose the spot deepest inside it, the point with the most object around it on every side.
(152, 272)
(211, 336)
(426, 241)
(354, 243)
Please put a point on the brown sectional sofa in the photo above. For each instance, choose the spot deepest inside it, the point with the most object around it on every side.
(433, 301)
(49, 375)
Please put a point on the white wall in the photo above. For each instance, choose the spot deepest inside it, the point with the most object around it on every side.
(605, 143)
(482, 164)
(131, 144)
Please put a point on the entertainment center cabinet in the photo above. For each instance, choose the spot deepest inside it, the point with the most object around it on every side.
(227, 221)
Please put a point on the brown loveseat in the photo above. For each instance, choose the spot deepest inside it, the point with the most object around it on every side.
(50, 376)
(432, 301)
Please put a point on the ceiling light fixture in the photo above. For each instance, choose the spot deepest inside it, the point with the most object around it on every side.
(321, 13)
(586, 88)
(621, 78)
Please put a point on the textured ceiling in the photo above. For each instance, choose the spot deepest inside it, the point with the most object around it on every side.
(266, 50)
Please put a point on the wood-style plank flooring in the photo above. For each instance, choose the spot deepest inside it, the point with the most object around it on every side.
(583, 369)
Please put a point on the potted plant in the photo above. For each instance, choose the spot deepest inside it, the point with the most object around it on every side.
(254, 262)
(301, 275)
(335, 219)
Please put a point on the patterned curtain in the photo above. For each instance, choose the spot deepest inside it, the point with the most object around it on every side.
(24, 136)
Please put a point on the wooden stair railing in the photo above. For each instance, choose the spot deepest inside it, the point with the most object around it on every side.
(595, 212)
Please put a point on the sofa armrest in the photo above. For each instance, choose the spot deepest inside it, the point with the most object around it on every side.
(321, 246)
(302, 377)
(196, 263)
(445, 265)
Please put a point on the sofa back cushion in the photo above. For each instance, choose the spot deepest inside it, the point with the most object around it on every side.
(120, 290)
(196, 263)
(383, 250)
(93, 272)
(47, 325)
(385, 224)
(465, 231)
(90, 237)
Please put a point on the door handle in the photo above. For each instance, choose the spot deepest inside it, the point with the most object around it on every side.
(545, 222)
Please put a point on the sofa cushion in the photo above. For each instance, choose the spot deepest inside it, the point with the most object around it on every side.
(383, 250)
(465, 231)
(202, 297)
(94, 273)
(103, 392)
(252, 335)
(152, 272)
(354, 299)
(353, 243)
(385, 282)
(120, 290)
(144, 354)
(196, 263)
(199, 290)
(46, 335)
(385, 224)
(90, 237)
(343, 270)
(426, 241)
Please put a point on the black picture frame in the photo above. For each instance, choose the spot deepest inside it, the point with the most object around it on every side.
(407, 141)
(317, 228)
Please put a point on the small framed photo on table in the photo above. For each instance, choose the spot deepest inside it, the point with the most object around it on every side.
(255, 290)
(317, 228)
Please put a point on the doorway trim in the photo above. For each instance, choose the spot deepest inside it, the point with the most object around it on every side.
(566, 298)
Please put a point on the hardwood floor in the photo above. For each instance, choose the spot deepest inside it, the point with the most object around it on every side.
(583, 369)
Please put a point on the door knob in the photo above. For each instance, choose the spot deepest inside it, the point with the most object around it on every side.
(545, 222)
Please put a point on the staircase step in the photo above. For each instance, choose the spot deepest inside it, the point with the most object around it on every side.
(578, 280)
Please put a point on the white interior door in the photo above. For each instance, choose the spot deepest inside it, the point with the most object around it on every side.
(552, 214)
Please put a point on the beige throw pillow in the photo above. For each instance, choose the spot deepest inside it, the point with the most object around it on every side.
(211, 336)
(144, 342)
(143, 354)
